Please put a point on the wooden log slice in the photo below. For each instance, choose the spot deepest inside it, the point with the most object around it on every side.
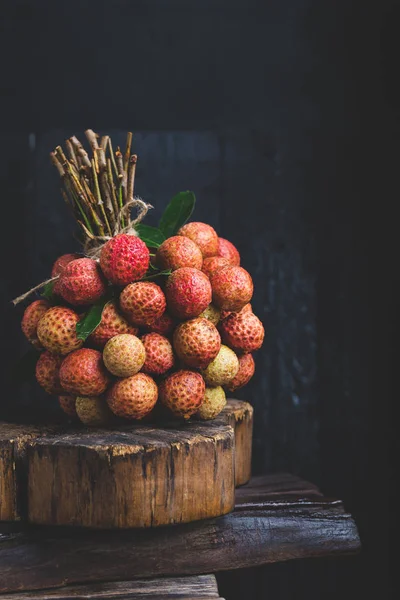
(136, 476)
(239, 415)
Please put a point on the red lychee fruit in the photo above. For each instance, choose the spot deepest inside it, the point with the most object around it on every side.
(196, 342)
(159, 354)
(57, 330)
(203, 235)
(213, 263)
(59, 267)
(245, 373)
(232, 288)
(82, 282)
(124, 355)
(188, 292)
(242, 331)
(67, 404)
(177, 252)
(142, 302)
(48, 372)
(124, 259)
(228, 251)
(133, 397)
(164, 325)
(112, 323)
(83, 373)
(246, 308)
(182, 393)
(32, 315)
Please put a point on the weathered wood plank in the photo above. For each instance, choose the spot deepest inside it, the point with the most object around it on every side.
(282, 524)
(239, 415)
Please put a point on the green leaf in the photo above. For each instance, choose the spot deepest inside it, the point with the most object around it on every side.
(91, 319)
(154, 275)
(48, 291)
(151, 236)
(177, 213)
(24, 369)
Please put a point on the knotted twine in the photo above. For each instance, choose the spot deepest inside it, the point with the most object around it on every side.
(93, 245)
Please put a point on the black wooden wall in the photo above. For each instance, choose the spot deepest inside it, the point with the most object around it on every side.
(283, 118)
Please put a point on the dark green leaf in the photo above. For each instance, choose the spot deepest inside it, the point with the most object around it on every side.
(177, 213)
(152, 237)
(48, 291)
(160, 273)
(24, 369)
(91, 319)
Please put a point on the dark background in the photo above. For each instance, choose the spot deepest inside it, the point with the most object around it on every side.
(283, 118)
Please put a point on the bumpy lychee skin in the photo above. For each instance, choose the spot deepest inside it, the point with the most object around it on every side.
(214, 403)
(124, 259)
(246, 308)
(203, 235)
(67, 405)
(93, 411)
(213, 264)
(124, 355)
(182, 393)
(48, 372)
(222, 369)
(196, 342)
(32, 315)
(228, 251)
(212, 313)
(133, 397)
(57, 330)
(177, 252)
(83, 373)
(164, 325)
(244, 374)
(112, 323)
(82, 282)
(159, 354)
(242, 331)
(142, 302)
(232, 288)
(59, 267)
(188, 292)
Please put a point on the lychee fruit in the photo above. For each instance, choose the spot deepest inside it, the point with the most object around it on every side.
(196, 342)
(177, 252)
(212, 313)
(182, 393)
(48, 372)
(83, 373)
(67, 405)
(82, 282)
(244, 374)
(59, 267)
(112, 323)
(164, 325)
(246, 308)
(57, 330)
(242, 331)
(188, 292)
(124, 355)
(159, 354)
(133, 397)
(228, 251)
(203, 235)
(213, 263)
(142, 302)
(214, 402)
(222, 369)
(124, 259)
(32, 315)
(232, 288)
(93, 411)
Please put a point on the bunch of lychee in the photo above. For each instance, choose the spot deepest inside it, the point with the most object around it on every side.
(173, 345)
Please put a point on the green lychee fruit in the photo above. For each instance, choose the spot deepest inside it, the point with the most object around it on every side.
(214, 403)
(188, 292)
(124, 355)
(196, 342)
(112, 323)
(222, 369)
(133, 397)
(242, 331)
(177, 252)
(228, 251)
(67, 405)
(244, 374)
(56, 330)
(30, 320)
(48, 372)
(203, 235)
(93, 411)
(82, 373)
(82, 282)
(232, 288)
(159, 354)
(124, 259)
(182, 393)
(142, 302)
(212, 313)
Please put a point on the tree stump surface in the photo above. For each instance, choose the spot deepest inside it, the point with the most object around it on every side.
(239, 415)
(276, 518)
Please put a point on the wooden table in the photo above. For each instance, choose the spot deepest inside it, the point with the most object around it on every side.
(276, 518)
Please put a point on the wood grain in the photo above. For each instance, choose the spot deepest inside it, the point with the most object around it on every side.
(271, 523)
(239, 415)
(136, 476)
